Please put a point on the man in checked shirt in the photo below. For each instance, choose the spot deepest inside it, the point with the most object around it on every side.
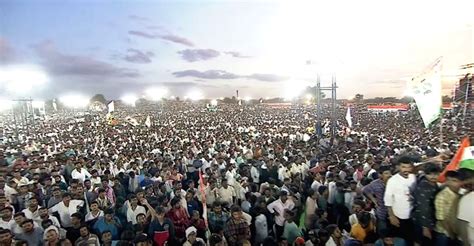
(236, 228)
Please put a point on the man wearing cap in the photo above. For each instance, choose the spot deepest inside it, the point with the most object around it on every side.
(191, 239)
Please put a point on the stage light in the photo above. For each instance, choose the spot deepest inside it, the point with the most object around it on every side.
(22, 79)
(74, 101)
(247, 99)
(309, 96)
(195, 95)
(156, 93)
(214, 102)
(129, 99)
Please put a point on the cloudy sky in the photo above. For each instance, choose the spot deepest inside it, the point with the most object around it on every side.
(260, 48)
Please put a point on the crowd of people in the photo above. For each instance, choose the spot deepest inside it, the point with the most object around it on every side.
(240, 175)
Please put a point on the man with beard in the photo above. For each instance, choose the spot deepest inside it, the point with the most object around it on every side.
(399, 201)
(33, 235)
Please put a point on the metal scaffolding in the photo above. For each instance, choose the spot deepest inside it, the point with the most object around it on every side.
(319, 90)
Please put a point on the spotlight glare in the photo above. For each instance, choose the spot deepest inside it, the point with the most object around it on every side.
(292, 91)
(195, 95)
(156, 93)
(74, 101)
(22, 78)
(129, 99)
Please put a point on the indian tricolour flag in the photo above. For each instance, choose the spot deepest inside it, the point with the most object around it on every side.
(467, 160)
(457, 159)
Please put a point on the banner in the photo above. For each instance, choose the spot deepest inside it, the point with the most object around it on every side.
(349, 117)
(111, 107)
(426, 90)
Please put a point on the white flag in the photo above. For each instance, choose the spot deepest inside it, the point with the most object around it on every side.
(426, 90)
(349, 117)
(132, 121)
(148, 121)
(111, 107)
(55, 106)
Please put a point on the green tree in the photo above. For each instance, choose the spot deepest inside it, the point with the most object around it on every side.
(447, 98)
(98, 98)
(359, 97)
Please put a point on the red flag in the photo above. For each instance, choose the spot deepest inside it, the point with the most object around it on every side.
(454, 164)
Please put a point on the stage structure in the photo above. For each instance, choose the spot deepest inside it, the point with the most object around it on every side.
(319, 90)
(23, 115)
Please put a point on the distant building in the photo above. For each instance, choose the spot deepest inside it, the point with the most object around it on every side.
(465, 84)
(388, 108)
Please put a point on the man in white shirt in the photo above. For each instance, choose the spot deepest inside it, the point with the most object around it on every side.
(32, 211)
(399, 201)
(133, 209)
(80, 173)
(66, 208)
(316, 182)
(227, 193)
(18, 179)
(44, 215)
(7, 217)
(255, 173)
(230, 175)
(278, 208)
(95, 179)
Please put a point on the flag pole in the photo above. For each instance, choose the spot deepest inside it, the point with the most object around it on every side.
(441, 128)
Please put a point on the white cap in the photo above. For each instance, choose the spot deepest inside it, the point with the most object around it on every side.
(190, 230)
